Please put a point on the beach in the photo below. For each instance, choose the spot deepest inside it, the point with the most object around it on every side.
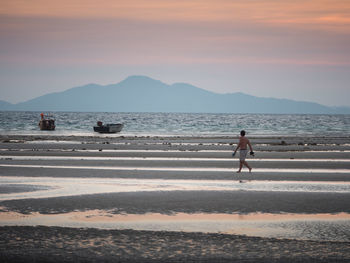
(174, 199)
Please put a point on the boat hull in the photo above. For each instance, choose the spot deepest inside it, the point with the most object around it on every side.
(47, 125)
(109, 128)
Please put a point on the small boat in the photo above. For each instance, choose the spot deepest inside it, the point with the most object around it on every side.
(47, 123)
(108, 128)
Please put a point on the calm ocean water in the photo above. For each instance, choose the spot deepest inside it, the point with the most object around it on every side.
(81, 123)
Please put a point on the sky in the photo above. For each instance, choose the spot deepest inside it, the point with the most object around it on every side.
(295, 49)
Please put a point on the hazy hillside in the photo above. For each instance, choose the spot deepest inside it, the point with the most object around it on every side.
(4, 105)
(143, 94)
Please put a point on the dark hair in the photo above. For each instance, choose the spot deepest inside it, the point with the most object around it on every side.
(242, 133)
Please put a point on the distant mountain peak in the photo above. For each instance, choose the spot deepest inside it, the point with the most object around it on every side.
(138, 79)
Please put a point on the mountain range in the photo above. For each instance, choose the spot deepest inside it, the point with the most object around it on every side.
(143, 94)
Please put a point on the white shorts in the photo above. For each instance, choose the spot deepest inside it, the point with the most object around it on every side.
(243, 155)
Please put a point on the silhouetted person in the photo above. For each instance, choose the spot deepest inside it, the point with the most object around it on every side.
(242, 145)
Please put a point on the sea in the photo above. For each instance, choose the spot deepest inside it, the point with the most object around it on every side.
(178, 124)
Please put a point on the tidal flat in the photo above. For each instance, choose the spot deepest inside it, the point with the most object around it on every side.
(173, 199)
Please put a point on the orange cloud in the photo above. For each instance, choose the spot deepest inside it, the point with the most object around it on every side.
(320, 12)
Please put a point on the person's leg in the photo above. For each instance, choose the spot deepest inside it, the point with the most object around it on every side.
(240, 166)
(246, 164)
(242, 156)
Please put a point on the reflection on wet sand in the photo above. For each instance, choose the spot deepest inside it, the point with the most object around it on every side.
(57, 187)
(198, 169)
(295, 226)
(101, 215)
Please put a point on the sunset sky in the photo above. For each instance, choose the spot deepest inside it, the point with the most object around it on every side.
(295, 49)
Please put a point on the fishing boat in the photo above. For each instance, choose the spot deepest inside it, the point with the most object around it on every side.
(47, 123)
(108, 128)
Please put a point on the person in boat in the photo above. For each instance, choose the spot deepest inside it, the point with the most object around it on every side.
(243, 146)
(42, 115)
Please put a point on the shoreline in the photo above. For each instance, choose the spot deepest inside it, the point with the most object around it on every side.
(100, 136)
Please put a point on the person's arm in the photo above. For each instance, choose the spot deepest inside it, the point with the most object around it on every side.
(251, 148)
(238, 145)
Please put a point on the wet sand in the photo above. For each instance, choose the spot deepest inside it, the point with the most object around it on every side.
(289, 160)
(53, 244)
(169, 202)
